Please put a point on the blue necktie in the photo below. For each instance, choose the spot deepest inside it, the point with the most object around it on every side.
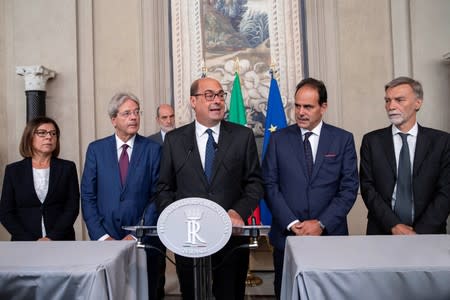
(308, 153)
(403, 200)
(209, 154)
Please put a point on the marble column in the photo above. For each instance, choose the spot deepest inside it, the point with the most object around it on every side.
(35, 88)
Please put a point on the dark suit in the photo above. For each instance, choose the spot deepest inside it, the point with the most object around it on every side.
(430, 180)
(290, 195)
(107, 206)
(236, 184)
(21, 210)
(157, 137)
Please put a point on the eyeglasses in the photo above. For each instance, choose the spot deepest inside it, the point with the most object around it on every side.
(209, 95)
(127, 113)
(43, 133)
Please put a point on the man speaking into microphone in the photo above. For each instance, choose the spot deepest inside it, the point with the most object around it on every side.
(217, 160)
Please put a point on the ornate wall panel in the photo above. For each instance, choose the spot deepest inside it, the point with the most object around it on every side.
(189, 56)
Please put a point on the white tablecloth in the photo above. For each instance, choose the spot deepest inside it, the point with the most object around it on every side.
(367, 267)
(72, 270)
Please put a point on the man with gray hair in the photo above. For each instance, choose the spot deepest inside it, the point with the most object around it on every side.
(119, 180)
(405, 168)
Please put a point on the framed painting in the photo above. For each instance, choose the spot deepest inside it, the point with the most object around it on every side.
(251, 37)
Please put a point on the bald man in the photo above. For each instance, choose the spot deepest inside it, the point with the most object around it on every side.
(165, 117)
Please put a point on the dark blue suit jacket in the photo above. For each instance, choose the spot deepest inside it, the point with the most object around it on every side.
(21, 210)
(330, 193)
(106, 205)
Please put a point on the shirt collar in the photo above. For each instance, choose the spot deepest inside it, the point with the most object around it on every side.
(316, 130)
(200, 129)
(413, 131)
(119, 142)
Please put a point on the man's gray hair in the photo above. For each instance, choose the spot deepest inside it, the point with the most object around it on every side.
(117, 100)
(414, 84)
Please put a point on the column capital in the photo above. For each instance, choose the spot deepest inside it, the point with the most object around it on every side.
(35, 76)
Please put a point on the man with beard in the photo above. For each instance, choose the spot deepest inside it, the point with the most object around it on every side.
(217, 160)
(405, 168)
(310, 175)
(165, 117)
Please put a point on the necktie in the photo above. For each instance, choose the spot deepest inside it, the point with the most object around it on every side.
(209, 154)
(123, 164)
(308, 153)
(403, 201)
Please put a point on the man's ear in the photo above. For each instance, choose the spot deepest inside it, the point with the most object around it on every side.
(418, 104)
(193, 102)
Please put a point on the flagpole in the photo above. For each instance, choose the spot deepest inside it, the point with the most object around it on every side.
(204, 69)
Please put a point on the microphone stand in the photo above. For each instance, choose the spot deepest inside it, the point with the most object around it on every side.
(252, 280)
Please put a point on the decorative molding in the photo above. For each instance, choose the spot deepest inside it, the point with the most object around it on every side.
(156, 86)
(323, 50)
(35, 77)
(286, 49)
(401, 38)
(187, 54)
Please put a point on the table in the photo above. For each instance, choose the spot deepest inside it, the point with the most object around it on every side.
(367, 267)
(72, 270)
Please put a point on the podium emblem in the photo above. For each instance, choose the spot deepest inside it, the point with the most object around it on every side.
(194, 227)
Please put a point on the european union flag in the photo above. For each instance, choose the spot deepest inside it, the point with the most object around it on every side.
(275, 120)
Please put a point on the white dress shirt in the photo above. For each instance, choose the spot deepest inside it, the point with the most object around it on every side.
(202, 138)
(120, 143)
(41, 178)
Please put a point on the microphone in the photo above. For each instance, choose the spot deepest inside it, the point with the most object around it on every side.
(140, 231)
(215, 146)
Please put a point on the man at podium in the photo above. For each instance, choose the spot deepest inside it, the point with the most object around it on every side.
(213, 159)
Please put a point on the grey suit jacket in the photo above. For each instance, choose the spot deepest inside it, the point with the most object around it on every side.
(431, 180)
(157, 137)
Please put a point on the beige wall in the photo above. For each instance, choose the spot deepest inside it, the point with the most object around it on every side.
(103, 46)
(365, 64)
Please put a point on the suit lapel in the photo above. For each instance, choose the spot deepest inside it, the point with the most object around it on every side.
(223, 145)
(388, 141)
(136, 157)
(190, 142)
(326, 139)
(111, 158)
(29, 178)
(422, 145)
(55, 174)
(296, 142)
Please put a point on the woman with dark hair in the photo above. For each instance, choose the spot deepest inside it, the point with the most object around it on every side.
(40, 196)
